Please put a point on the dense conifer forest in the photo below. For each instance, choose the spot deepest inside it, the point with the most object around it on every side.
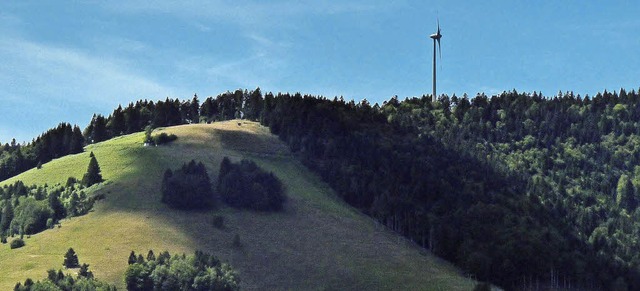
(518, 189)
(57, 142)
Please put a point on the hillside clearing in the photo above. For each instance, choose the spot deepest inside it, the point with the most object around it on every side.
(318, 242)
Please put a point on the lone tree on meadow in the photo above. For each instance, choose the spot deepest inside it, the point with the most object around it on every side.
(71, 259)
(93, 175)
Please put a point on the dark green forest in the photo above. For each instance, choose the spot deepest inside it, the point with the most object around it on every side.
(518, 189)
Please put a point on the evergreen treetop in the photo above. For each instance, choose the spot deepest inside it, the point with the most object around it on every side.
(93, 174)
(71, 259)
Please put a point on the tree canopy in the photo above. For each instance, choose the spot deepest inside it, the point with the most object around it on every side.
(188, 187)
(245, 185)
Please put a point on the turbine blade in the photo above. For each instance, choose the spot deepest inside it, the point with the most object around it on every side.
(439, 49)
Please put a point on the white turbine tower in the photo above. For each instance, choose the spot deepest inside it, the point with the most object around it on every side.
(436, 37)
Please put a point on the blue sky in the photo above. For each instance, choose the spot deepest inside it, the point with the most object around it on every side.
(65, 61)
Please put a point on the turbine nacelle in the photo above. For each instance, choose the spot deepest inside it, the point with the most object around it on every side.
(436, 35)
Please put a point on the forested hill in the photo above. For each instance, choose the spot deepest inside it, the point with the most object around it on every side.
(516, 188)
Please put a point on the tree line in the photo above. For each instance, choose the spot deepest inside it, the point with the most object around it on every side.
(200, 271)
(57, 142)
(65, 139)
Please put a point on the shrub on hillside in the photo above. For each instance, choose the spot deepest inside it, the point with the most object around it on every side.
(158, 139)
(17, 243)
(188, 187)
(245, 185)
(164, 138)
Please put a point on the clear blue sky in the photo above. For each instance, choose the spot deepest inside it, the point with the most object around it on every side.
(66, 61)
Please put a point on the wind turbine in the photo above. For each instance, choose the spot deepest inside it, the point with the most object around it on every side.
(436, 37)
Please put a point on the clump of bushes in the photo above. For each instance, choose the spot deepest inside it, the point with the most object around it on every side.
(164, 138)
(27, 210)
(17, 243)
(188, 187)
(158, 139)
(241, 185)
(245, 185)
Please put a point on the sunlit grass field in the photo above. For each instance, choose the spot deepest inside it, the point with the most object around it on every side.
(317, 243)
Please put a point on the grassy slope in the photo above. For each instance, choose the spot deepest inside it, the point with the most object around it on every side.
(316, 243)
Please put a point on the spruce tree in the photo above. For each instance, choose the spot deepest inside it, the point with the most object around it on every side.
(7, 216)
(151, 256)
(77, 140)
(625, 197)
(73, 204)
(132, 258)
(71, 259)
(59, 212)
(93, 175)
(84, 271)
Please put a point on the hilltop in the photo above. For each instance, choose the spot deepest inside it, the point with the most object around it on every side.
(318, 242)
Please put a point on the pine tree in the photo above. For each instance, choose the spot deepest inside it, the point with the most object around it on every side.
(99, 132)
(77, 141)
(194, 109)
(84, 271)
(7, 216)
(625, 194)
(140, 259)
(71, 259)
(73, 204)
(151, 256)
(225, 168)
(93, 175)
(56, 205)
(132, 258)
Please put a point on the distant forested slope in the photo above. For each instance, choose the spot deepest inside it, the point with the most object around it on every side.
(516, 188)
